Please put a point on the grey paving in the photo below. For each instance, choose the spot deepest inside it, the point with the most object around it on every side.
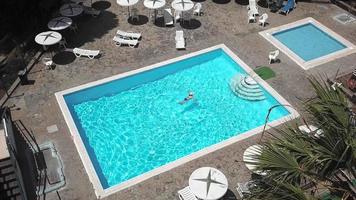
(225, 22)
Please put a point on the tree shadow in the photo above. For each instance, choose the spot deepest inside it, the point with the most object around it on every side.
(191, 24)
(92, 28)
(242, 2)
(221, 1)
(101, 5)
(63, 58)
(263, 4)
(229, 195)
(142, 19)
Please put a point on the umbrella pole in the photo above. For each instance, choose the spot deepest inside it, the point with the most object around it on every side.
(128, 9)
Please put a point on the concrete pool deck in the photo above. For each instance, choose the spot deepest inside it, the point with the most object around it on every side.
(224, 22)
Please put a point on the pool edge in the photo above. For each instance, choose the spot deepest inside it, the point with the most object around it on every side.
(88, 165)
(306, 65)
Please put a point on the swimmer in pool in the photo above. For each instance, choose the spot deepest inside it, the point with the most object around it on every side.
(188, 98)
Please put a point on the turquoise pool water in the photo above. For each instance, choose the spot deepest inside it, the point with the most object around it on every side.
(309, 42)
(132, 125)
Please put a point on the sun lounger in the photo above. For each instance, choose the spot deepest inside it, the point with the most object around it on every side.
(85, 52)
(252, 6)
(123, 41)
(128, 35)
(180, 41)
(243, 189)
(311, 129)
(177, 16)
(288, 7)
(186, 194)
(262, 20)
(168, 17)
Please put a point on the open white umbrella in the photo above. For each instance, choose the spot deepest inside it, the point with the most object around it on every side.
(71, 10)
(154, 4)
(182, 5)
(127, 3)
(59, 23)
(48, 38)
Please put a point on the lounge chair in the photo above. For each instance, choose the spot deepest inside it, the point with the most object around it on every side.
(262, 20)
(124, 41)
(251, 17)
(168, 17)
(128, 35)
(180, 41)
(273, 56)
(186, 194)
(243, 189)
(276, 6)
(311, 129)
(197, 9)
(288, 7)
(85, 52)
(252, 6)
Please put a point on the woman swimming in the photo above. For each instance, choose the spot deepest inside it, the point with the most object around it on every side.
(186, 99)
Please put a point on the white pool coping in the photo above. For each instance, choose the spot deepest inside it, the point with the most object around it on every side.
(268, 35)
(93, 177)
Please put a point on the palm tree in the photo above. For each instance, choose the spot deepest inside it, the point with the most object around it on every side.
(296, 162)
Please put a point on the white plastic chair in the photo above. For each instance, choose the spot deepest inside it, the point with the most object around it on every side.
(273, 56)
(262, 20)
(63, 43)
(134, 14)
(177, 16)
(186, 194)
(251, 17)
(252, 6)
(48, 62)
(168, 17)
(197, 9)
(180, 41)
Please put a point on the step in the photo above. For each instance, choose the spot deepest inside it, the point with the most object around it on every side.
(240, 86)
(259, 98)
(250, 94)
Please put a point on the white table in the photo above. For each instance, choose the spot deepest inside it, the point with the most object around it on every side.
(127, 3)
(249, 155)
(154, 4)
(208, 183)
(59, 23)
(71, 10)
(48, 38)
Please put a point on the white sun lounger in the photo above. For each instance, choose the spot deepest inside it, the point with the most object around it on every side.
(128, 35)
(168, 17)
(180, 41)
(311, 129)
(186, 194)
(251, 18)
(123, 41)
(85, 52)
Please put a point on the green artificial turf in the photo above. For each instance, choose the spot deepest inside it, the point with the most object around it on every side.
(265, 72)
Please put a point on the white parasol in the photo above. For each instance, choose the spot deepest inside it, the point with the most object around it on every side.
(59, 23)
(127, 3)
(71, 10)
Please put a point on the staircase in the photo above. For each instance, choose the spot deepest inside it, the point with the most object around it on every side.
(246, 88)
(9, 188)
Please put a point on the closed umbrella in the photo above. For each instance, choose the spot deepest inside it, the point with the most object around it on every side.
(127, 3)
(154, 4)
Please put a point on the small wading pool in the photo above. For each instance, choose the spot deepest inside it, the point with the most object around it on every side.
(308, 42)
(130, 127)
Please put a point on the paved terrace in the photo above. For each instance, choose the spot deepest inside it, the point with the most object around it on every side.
(224, 21)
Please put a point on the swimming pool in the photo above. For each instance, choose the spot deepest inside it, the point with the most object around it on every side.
(308, 42)
(130, 127)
